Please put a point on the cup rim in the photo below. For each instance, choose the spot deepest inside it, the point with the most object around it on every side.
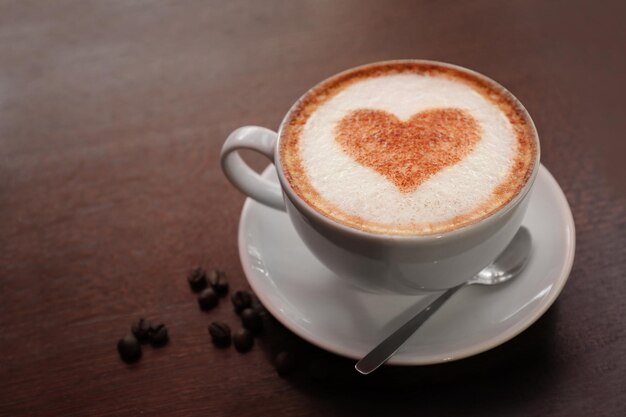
(310, 212)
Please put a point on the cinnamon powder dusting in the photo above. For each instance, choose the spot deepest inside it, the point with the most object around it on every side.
(365, 133)
(408, 153)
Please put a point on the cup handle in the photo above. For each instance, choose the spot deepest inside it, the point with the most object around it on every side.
(241, 175)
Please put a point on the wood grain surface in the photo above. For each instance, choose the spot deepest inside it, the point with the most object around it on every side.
(112, 115)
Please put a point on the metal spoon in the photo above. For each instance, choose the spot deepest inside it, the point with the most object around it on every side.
(507, 265)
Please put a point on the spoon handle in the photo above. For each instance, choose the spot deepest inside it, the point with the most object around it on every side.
(385, 349)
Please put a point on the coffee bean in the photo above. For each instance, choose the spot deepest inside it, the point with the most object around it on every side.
(129, 348)
(220, 333)
(241, 300)
(197, 279)
(251, 320)
(141, 329)
(285, 363)
(243, 340)
(319, 369)
(218, 281)
(207, 299)
(159, 336)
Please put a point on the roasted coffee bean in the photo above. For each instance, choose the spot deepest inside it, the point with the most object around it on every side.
(159, 336)
(251, 320)
(285, 363)
(218, 281)
(319, 369)
(243, 340)
(207, 299)
(241, 300)
(220, 333)
(197, 279)
(129, 348)
(141, 329)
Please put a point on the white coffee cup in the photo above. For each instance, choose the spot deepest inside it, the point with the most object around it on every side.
(374, 261)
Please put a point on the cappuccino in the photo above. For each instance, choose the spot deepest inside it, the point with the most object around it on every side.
(407, 148)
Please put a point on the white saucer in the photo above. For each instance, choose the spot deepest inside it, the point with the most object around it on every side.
(328, 312)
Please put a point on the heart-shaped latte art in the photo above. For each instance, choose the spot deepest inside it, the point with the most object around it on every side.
(408, 152)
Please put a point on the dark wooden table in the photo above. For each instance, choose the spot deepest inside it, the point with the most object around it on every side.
(112, 115)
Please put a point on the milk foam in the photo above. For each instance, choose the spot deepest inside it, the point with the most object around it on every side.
(453, 191)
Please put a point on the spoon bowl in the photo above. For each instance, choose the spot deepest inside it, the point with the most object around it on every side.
(508, 264)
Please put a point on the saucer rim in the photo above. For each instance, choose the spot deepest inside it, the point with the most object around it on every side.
(406, 359)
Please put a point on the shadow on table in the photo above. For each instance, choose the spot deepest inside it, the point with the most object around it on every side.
(507, 375)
